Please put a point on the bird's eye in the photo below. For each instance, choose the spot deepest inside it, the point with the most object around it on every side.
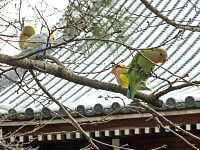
(160, 54)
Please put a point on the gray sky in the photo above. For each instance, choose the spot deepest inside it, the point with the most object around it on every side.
(50, 10)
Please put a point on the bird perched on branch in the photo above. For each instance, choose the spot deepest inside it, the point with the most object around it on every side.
(35, 43)
(121, 74)
(27, 32)
(142, 64)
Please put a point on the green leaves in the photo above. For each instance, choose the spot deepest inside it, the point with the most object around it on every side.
(96, 29)
(100, 19)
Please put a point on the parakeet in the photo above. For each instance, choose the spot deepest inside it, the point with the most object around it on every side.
(121, 74)
(141, 68)
(27, 32)
(35, 43)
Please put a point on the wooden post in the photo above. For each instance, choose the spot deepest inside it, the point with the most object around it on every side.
(116, 142)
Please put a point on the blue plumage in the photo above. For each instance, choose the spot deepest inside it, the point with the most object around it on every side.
(35, 43)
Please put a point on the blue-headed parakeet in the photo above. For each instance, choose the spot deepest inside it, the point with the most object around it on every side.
(35, 43)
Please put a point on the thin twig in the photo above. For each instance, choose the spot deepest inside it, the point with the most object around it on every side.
(43, 19)
(155, 113)
(74, 122)
(119, 147)
(173, 88)
(55, 60)
(167, 20)
(160, 147)
(176, 134)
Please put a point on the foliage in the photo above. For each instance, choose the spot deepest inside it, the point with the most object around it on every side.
(100, 19)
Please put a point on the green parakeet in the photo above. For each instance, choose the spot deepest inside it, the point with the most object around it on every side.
(141, 68)
(35, 43)
(27, 32)
(121, 74)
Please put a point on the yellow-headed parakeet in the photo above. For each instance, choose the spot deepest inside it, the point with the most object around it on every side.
(121, 74)
(27, 32)
(35, 43)
(141, 67)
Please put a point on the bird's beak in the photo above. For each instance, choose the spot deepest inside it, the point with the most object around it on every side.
(163, 61)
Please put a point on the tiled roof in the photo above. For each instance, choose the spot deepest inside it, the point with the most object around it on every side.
(184, 54)
(132, 125)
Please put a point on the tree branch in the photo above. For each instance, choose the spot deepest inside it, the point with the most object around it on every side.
(67, 74)
(172, 88)
(167, 20)
(163, 118)
(74, 122)
(55, 60)
(176, 134)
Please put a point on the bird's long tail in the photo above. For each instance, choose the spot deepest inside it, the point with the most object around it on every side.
(131, 91)
(143, 86)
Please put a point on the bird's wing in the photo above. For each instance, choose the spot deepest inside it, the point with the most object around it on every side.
(35, 41)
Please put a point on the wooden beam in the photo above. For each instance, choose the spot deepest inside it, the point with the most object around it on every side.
(40, 138)
(1, 134)
(198, 126)
(68, 136)
(21, 138)
(147, 130)
(97, 134)
(157, 130)
(137, 131)
(116, 142)
(188, 127)
(107, 133)
(127, 132)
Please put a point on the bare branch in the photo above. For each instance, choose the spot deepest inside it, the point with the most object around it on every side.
(160, 147)
(167, 20)
(173, 88)
(118, 147)
(176, 134)
(74, 122)
(161, 117)
(55, 60)
(67, 74)
(11, 36)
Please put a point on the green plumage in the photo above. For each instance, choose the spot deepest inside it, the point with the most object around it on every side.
(27, 32)
(121, 73)
(141, 66)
